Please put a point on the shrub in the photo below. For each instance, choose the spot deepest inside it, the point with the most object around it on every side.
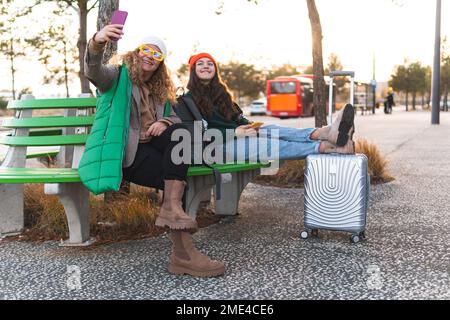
(377, 162)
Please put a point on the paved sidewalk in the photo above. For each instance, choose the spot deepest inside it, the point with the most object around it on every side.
(406, 254)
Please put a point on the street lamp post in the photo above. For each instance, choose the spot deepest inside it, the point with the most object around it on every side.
(435, 93)
(374, 85)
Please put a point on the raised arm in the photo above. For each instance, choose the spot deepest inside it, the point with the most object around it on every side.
(102, 76)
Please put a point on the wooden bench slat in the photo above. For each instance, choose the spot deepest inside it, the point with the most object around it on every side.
(67, 140)
(49, 122)
(52, 103)
(38, 175)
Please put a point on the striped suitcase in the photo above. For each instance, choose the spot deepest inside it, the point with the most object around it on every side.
(336, 187)
(336, 194)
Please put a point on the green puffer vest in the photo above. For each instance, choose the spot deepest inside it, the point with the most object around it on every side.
(100, 167)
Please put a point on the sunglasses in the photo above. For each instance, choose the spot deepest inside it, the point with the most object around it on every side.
(150, 52)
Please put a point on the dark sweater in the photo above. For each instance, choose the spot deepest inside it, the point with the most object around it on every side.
(218, 121)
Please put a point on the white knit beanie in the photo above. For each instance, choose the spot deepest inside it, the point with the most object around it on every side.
(155, 41)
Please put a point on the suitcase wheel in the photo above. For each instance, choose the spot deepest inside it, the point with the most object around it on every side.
(355, 238)
(304, 235)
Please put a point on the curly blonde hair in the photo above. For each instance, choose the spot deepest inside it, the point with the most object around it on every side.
(160, 84)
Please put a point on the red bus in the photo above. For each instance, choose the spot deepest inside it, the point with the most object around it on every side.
(291, 96)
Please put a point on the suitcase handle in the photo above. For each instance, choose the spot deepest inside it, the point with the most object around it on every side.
(339, 73)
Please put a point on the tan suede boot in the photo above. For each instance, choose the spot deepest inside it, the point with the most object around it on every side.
(186, 259)
(172, 214)
(339, 132)
(349, 148)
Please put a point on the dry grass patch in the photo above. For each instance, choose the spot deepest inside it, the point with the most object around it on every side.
(128, 217)
(377, 162)
(6, 113)
(290, 175)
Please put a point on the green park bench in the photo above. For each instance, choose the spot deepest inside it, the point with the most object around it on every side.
(69, 132)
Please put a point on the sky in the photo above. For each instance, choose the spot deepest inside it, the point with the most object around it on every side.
(275, 32)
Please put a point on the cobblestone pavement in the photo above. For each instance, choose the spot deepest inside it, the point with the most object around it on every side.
(406, 253)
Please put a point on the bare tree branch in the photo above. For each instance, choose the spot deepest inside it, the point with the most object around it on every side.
(93, 6)
(70, 4)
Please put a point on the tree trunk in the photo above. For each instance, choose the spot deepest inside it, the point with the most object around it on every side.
(446, 98)
(82, 43)
(406, 101)
(13, 71)
(66, 71)
(414, 100)
(319, 82)
(105, 10)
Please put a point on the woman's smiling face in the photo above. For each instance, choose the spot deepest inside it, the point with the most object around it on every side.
(149, 64)
(205, 69)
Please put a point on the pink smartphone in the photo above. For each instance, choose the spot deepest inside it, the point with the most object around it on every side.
(119, 17)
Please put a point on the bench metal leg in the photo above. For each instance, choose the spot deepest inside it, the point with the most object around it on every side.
(11, 195)
(11, 209)
(198, 190)
(231, 192)
(75, 199)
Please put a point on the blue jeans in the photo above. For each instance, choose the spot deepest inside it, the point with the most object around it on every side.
(273, 143)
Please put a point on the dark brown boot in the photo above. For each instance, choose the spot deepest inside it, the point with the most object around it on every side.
(186, 259)
(172, 214)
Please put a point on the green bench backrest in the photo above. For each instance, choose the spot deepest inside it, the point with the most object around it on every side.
(68, 103)
(47, 130)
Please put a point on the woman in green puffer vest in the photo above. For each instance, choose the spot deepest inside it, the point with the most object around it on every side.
(147, 160)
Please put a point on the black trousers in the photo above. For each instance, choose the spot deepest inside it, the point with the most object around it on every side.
(153, 163)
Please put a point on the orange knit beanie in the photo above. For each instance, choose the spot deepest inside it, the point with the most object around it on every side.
(194, 58)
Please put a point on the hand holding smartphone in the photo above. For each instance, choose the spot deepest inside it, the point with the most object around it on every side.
(118, 17)
(256, 124)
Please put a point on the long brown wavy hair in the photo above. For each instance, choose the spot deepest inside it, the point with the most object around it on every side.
(215, 93)
(160, 84)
